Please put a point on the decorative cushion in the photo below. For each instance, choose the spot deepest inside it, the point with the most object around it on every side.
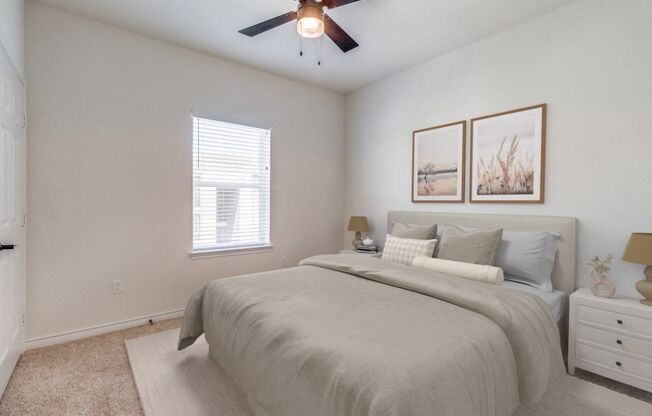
(477, 272)
(416, 231)
(477, 247)
(404, 250)
(528, 257)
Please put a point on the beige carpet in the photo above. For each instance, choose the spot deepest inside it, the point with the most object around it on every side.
(88, 377)
(190, 383)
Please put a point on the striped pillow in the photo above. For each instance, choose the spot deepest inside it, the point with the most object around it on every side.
(404, 250)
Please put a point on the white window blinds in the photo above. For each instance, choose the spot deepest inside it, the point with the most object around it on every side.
(231, 185)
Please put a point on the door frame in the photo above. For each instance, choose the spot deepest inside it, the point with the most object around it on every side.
(9, 359)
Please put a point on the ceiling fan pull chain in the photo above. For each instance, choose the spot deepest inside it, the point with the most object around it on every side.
(300, 45)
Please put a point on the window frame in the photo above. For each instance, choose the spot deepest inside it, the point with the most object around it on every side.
(199, 253)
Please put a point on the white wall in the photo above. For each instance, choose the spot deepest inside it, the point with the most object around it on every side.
(109, 169)
(591, 61)
(12, 18)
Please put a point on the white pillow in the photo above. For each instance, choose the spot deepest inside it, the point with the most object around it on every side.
(477, 272)
(528, 257)
(404, 250)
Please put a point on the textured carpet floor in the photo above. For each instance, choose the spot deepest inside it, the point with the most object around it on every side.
(86, 377)
(92, 377)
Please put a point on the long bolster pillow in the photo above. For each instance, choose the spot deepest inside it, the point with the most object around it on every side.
(478, 272)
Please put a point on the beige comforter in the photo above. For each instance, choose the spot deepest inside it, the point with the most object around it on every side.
(347, 335)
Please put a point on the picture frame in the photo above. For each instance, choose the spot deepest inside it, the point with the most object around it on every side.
(439, 163)
(508, 157)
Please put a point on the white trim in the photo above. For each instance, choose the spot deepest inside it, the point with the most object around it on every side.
(4, 47)
(232, 251)
(91, 331)
(263, 125)
(9, 359)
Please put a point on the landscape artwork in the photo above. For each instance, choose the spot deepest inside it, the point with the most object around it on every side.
(508, 156)
(438, 163)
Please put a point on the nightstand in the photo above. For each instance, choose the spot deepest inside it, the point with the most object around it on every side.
(378, 255)
(611, 337)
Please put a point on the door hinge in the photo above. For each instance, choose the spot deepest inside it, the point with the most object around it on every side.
(22, 320)
(24, 121)
(24, 220)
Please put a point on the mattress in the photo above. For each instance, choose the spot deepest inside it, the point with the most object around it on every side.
(556, 300)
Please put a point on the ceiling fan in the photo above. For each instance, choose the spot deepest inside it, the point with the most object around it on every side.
(312, 22)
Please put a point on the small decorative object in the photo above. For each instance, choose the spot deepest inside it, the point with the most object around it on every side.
(359, 225)
(639, 250)
(508, 156)
(365, 249)
(599, 269)
(368, 241)
(438, 163)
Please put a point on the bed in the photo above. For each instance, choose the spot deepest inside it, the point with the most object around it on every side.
(347, 335)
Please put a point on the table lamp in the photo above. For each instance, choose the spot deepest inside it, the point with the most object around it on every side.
(358, 224)
(639, 250)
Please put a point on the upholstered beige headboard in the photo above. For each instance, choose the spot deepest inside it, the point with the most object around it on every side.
(563, 275)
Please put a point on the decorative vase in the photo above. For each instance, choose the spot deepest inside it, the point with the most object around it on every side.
(603, 288)
(599, 267)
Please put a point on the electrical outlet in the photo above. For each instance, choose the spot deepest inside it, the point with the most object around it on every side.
(284, 262)
(116, 287)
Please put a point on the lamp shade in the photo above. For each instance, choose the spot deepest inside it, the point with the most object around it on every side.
(358, 224)
(639, 249)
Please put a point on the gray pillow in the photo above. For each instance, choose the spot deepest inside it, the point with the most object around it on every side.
(414, 231)
(477, 247)
(528, 257)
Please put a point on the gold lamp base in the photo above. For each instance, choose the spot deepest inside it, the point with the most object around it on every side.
(644, 287)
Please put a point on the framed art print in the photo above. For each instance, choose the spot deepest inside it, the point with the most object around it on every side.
(508, 156)
(438, 163)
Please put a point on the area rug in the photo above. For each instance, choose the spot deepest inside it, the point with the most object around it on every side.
(189, 383)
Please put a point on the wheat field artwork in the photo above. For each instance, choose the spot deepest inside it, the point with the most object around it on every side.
(507, 156)
(438, 164)
(508, 172)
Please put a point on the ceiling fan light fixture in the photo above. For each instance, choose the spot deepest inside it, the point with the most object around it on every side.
(310, 21)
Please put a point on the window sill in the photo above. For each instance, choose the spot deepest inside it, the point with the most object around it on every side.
(222, 252)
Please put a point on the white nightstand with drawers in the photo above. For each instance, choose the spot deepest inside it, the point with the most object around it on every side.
(611, 337)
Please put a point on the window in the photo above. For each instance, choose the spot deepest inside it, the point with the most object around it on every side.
(231, 185)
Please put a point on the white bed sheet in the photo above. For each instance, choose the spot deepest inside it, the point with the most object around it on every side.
(556, 300)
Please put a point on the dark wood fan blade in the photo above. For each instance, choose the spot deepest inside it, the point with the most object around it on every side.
(269, 24)
(331, 4)
(338, 35)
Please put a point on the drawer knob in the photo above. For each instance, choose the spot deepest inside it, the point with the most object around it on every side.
(619, 342)
(620, 322)
(619, 364)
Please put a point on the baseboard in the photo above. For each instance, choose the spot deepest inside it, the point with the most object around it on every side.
(91, 331)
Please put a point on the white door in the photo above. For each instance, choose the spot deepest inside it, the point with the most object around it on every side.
(12, 224)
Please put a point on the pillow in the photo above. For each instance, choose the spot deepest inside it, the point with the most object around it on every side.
(404, 250)
(528, 257)
(477, 247)
(416, 231)
(477, 272)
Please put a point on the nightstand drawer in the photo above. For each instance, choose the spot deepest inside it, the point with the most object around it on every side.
(615, 320)
(613, 340)
(615, 362)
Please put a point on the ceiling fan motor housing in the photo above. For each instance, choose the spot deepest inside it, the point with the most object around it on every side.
(310, 8)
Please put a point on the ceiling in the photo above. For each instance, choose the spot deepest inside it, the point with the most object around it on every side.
(393, 34)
